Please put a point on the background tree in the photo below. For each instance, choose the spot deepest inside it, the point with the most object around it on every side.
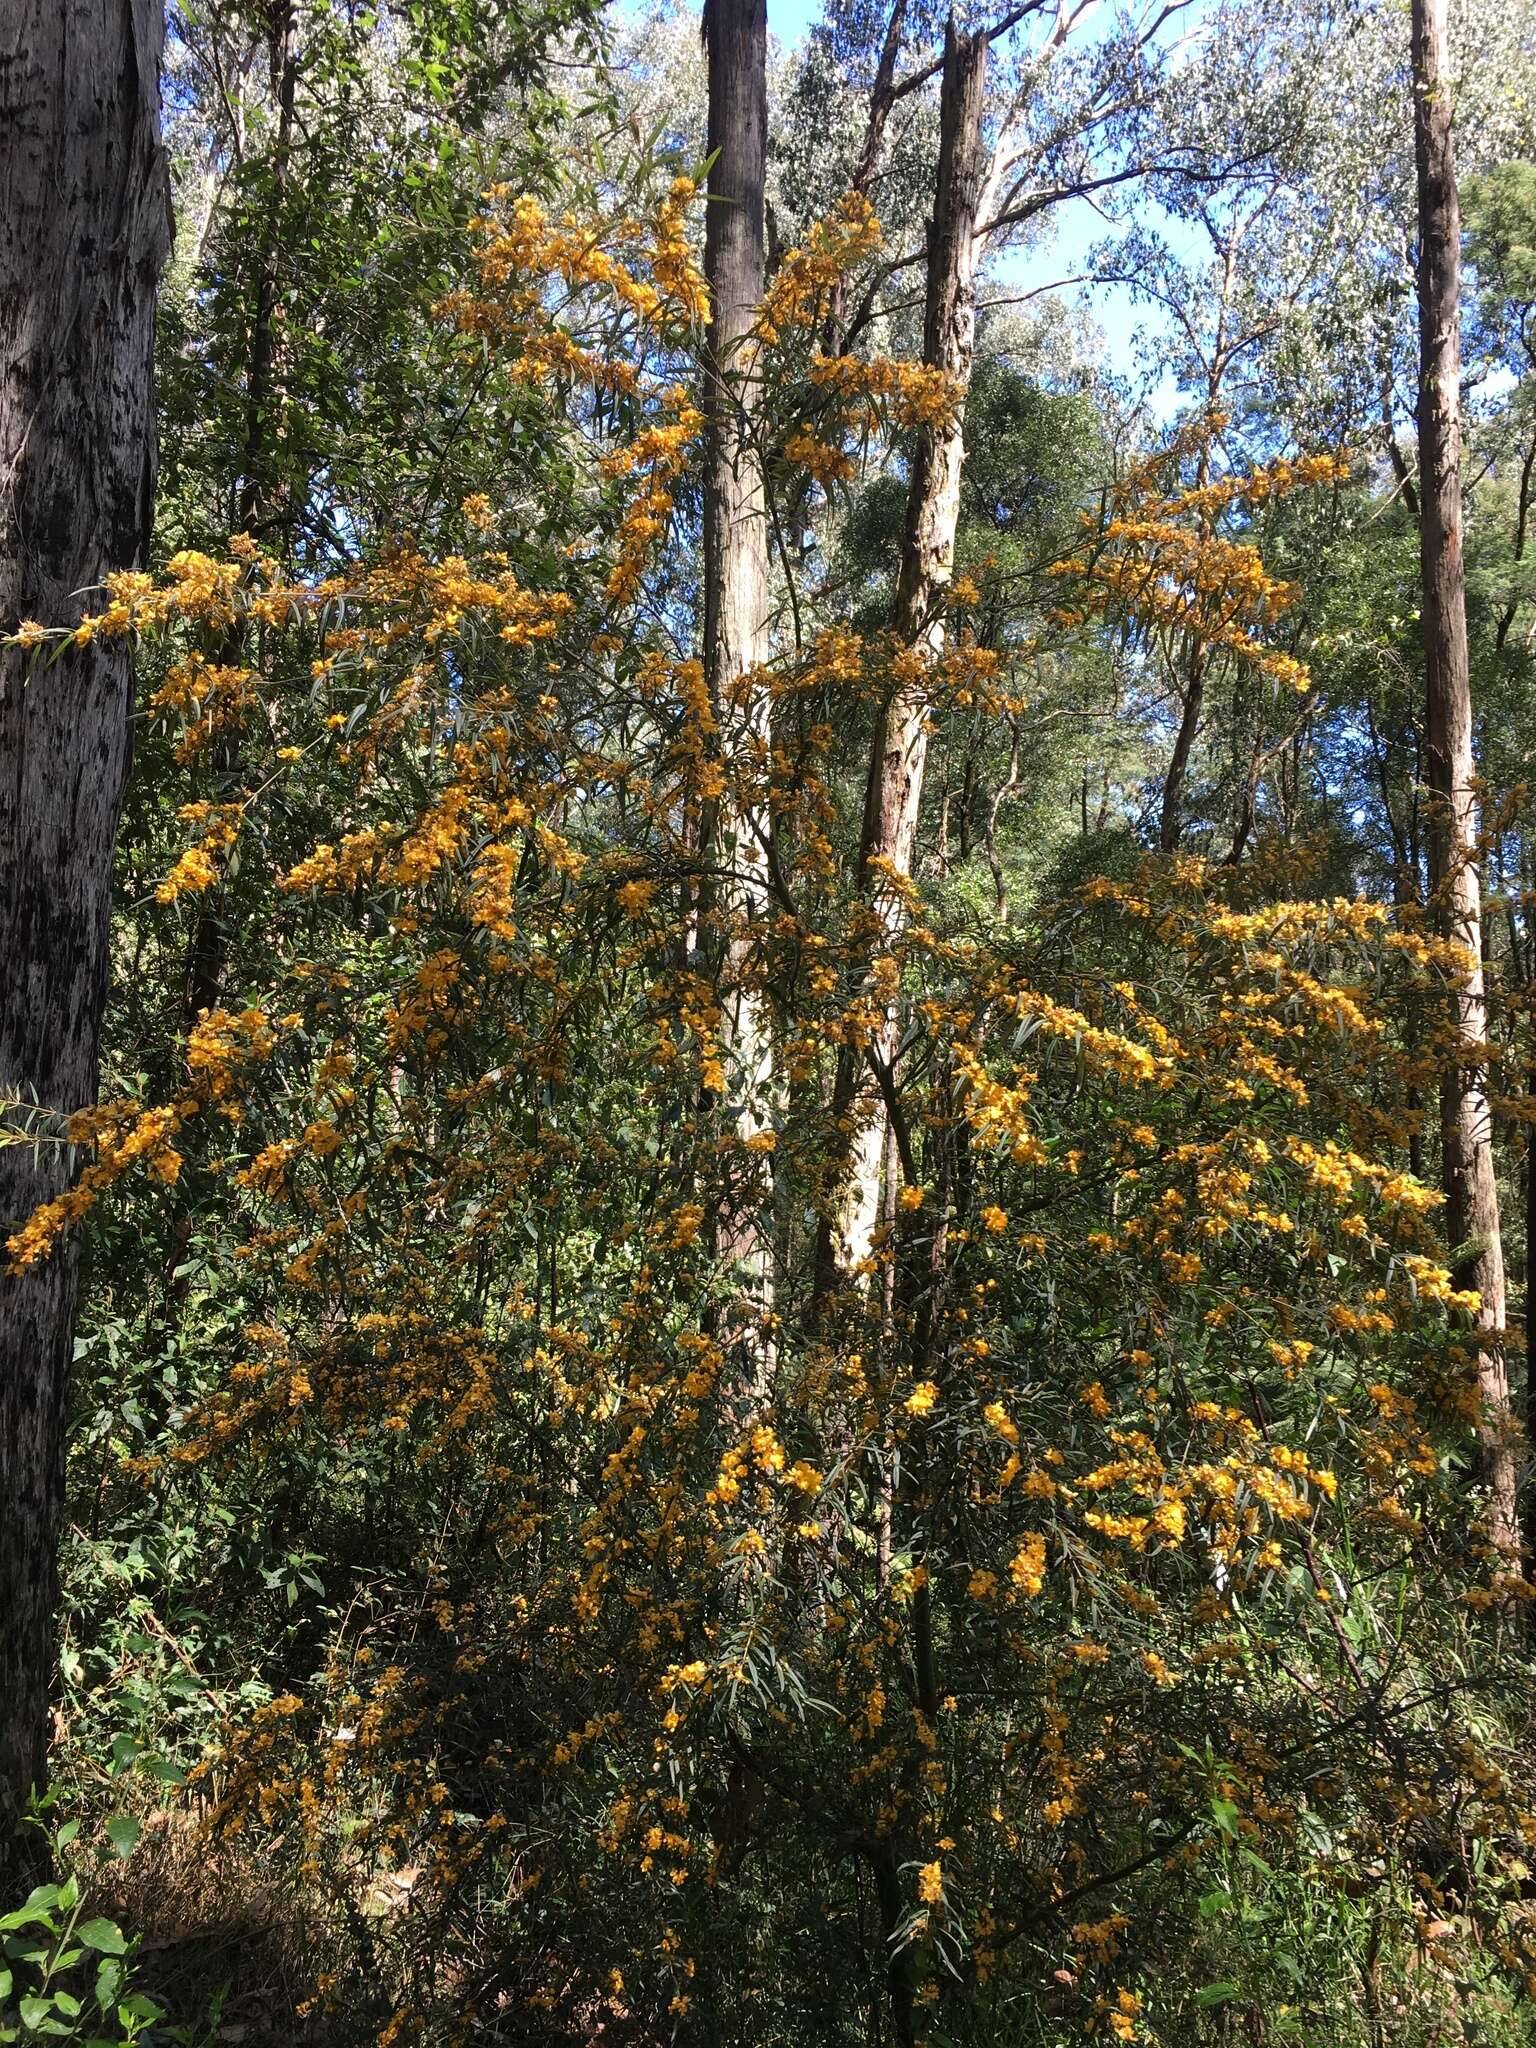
(1472, 1201)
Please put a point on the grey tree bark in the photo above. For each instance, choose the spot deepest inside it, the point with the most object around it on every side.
(84, 231)
(898, 757)
(1472, 1199)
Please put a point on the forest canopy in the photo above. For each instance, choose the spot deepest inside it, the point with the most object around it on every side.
(768, 877)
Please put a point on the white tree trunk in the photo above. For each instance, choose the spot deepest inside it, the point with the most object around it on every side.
(736, 635)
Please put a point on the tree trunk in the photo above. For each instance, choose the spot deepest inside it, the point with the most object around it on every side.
(736, 640)
(894, 791)
(1171, 821)
(84, 230)
(882, 97)
(1529, 1177)
(1472, 1201)
(250, 489)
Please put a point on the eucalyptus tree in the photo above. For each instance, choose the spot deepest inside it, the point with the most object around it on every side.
(1033, 110)
(1231, 266)
(84, 228)
(1471, 1188)
(736, 626)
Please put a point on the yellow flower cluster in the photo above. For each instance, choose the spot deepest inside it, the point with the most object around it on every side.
(197, 868)
(800, 295)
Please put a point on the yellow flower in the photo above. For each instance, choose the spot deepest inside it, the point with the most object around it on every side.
(1028, 1567)
(922, 1397)
(999, 1418)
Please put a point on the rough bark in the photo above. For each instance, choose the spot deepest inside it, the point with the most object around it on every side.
(1472, 1202)
(898, 758)
(84, 230)
(736, 636)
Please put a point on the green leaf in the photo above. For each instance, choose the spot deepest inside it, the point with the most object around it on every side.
(1218, 1994)
(102, 1936)
(37, 1912)
(123, 1833)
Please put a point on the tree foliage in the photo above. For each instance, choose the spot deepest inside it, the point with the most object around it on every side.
(1077, 1618)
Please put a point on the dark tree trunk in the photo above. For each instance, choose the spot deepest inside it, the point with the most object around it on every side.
(84, 229)
(1171, 819)
(1472, 1201)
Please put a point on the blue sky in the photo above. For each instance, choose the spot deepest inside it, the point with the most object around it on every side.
(789, 19)
(1075, 228)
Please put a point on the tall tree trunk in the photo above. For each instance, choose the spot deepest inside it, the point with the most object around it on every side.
(84, 231)
(894, 791)
(250, 492)
(882, 97)
(1472, 1201)
(1528, 1175)
(736, 639)
(1171, 820)
(251, 489)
